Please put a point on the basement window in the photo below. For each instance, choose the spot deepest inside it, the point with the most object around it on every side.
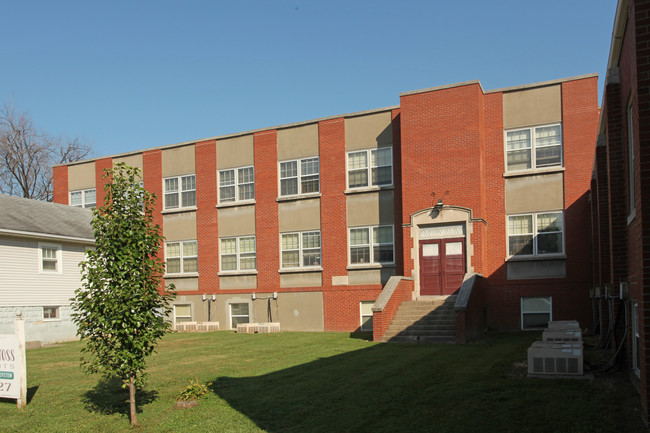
(238, 314)
(536, 312)
(366, 315)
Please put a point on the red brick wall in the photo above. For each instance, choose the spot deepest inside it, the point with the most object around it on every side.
(381, 320)
(100, 165)
(341, 305)
(266, 210)
(60, 184)
(152, 179)
(206, 215)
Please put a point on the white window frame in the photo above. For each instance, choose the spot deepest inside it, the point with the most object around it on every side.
(301, 250)
(182, 257)
(85, 202)
(179, 192)
(237, 185)
(369, 168)
(57, 259)
(533, 147)
(361, 316)
(371, 245)
(238, 253)
(48, 317)
(300, 177)
(535, 234)
(231, 315)
(521, 310)
(176, 316)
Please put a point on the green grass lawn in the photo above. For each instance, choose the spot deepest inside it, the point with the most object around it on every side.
(324, 382)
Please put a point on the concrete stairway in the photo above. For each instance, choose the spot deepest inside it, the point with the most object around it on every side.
(427, 320)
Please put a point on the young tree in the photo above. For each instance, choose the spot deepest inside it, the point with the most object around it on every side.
(27, 155)
(119, 310)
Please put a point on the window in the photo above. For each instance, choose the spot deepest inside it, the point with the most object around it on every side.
(236, 184)
(534, 147)
(86, 198)
(50, 258)
(238, 314)
(301, 176)
(373, 167)
(300, 249)
(371, 245)
(182, 313)
(180, 192)
(630, 164)
(366, 315)
(51, 313)
(238, 254)
(182, 257)
(536, 234)
(536, 312)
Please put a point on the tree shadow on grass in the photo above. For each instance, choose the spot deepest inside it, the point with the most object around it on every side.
(108, 398)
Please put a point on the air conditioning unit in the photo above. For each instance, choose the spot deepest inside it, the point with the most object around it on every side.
(207, 326)
(186, 326)
(269, 327)
(562, 335)
(555, 359)
(563, 325)
(247, 328)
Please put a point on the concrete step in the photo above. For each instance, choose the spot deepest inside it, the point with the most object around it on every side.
(432, 319)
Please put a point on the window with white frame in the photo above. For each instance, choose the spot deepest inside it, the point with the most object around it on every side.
(536, 234)
(536, 312)
(182, 313)
(86, 198)
(366, 315)
(300, 176)
(236, 184)
(50, 258)
(301, 249)
(372, 167)
(372, 245)
(535, 147)
(238, 254)
(51, 313)
(238, 314)
(180, 191)
(182, 257)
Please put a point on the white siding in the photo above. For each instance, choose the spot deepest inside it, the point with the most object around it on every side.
(21, 283)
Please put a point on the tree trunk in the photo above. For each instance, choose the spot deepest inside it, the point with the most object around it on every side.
(134, 419)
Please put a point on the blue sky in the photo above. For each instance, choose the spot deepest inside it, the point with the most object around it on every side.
(128, 75)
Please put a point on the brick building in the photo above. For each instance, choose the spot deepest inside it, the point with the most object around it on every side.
(620, 196)
(329, 224)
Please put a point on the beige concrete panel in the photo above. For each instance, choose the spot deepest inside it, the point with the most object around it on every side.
(236, 221)
(235, 152)
(535, 193)
(371, 208)
(536, 269)
(199, 311)
(184, 284)
(178, 161)
(131, 160)
(180, 226)
(301, 279)
(298, 142)
(299, 215)
(365, 276)
(302, 311)
(81, 176)
(227, 282)
(367, 132)
(532, 107)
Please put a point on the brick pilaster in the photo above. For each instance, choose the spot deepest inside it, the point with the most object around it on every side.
(206, 216)
(60, 184)
(100, 166)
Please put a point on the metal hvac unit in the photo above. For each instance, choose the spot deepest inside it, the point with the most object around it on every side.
(563, 325)
(562, 335)
(254, 328)
(555, 359)
(269, 327)
(207, 326)
(247, 328)
(186, 326)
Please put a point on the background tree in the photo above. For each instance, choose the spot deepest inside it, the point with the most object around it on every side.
(119, 310)
(27, 155)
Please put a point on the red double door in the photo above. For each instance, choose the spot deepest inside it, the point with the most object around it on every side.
(442, 266)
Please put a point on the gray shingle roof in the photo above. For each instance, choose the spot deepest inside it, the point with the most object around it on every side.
(39, 217)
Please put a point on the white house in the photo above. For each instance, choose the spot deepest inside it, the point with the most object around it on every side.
(41, 246)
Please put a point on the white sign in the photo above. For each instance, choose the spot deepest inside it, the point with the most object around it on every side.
(9, 367)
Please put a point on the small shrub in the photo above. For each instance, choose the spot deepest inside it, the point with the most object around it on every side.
(193, 391)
